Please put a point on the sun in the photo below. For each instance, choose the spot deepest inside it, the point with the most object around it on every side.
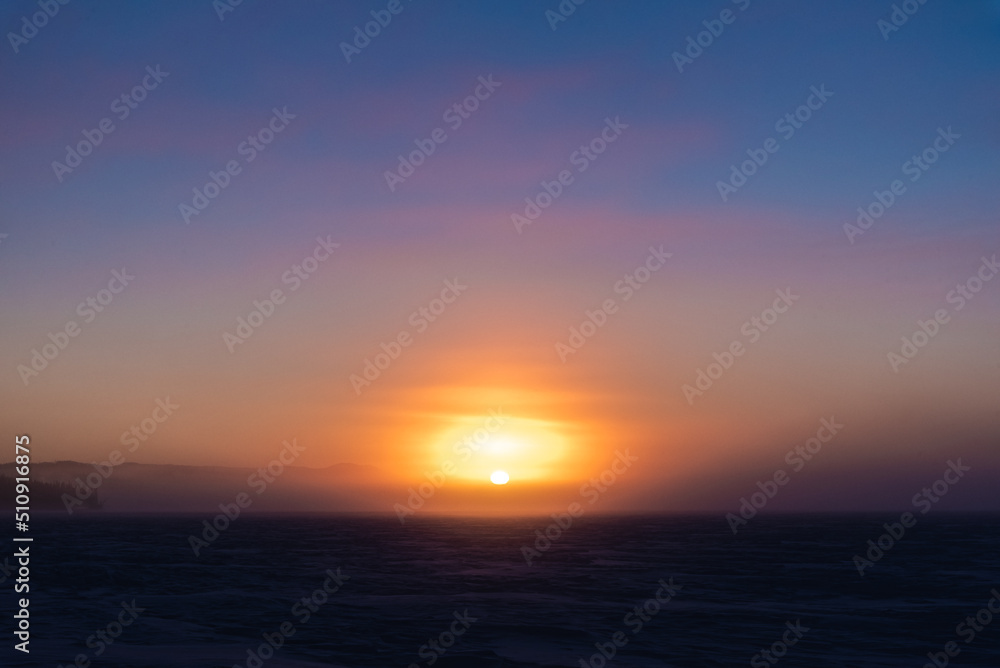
(527, 450)
(499, 477)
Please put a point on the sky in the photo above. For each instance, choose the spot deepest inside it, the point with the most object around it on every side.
(638, 232)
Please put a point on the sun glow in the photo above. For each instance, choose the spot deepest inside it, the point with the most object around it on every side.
(483, 447)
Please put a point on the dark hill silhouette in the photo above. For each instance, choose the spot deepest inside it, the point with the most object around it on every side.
(43, 495)
(132, 487)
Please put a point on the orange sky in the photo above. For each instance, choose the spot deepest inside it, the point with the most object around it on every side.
(595, 252)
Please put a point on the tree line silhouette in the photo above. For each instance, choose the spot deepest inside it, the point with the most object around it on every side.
(43, 495)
